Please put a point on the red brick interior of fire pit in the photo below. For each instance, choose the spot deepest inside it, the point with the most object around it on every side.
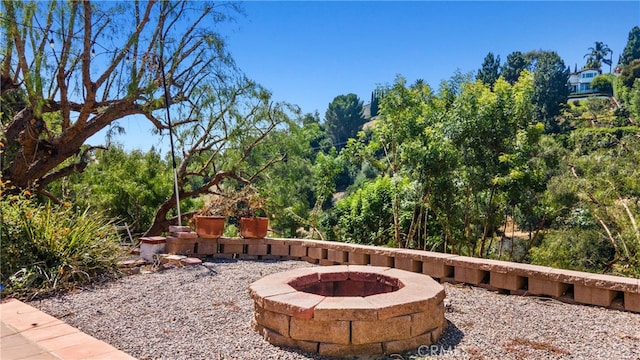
(369, 285)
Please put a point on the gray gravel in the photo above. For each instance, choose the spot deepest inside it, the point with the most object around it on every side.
(204, 312)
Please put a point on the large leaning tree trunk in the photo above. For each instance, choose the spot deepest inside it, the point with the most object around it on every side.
(85, 65)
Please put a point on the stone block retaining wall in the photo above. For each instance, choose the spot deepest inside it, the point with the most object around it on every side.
(511, 278)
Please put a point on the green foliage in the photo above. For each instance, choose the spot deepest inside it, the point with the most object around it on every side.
(128, 186)
(513, 67)
(285, 185)
(591, 112)
(632, 49)
(11, 103)
(550, 88)
(634, 99)
(453, 157)
(628, 95)
(574, 248)
(596, 199)
(490, 70)
(376, 96)
(603, 84)
(325, 170)
(598, 55)
(630, 73)
(366, 217)
(343, 119)
(46, 248)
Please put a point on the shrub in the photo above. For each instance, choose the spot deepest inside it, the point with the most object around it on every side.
(574, 249)
(47, 248)
(366, 216)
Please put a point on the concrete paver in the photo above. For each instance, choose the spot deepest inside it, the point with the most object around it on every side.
(26, 333)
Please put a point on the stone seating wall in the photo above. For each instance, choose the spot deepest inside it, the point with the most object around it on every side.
(508, 277)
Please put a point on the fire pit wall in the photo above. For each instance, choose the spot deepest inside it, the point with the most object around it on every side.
(347, 310)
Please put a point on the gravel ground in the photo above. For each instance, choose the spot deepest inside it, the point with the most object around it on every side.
(204, 312)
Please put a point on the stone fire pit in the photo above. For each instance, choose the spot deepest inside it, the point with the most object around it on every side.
(348, 310)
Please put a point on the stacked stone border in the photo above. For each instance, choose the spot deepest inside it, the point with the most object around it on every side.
(569, 286)
(327, 323)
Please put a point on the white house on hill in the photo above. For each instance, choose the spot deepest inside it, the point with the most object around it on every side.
(580, 81)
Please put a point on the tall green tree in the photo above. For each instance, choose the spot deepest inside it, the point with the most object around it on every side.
(550, 88)
(632, 49)
(404, 114)
(597, 55)
(343, 119)
(514, 65)
(376, 96)
(454, 162)
(490, 70)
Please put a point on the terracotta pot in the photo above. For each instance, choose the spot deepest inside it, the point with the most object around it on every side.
(254, 228)
(209, 227)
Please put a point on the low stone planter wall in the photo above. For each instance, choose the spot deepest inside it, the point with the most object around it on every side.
(348, 310)
(511, 278)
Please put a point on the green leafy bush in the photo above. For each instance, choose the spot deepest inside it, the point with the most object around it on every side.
(46, 248)
(575, 249)
(129, 185)
(365, 217)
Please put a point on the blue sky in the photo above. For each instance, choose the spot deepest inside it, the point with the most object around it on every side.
(307, 53)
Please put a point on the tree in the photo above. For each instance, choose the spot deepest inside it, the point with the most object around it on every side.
(632, 49)
(454, 162)
(626, 89)
(490, 70)
(598, 55)
(376, 96)
(451, 88)
(515, 64)
(374, 105)
(325, 170)
(79, 78)
(603, 84)
(221, 119)
(235, 138)
(550, 87)
(343, 119)
(286, 185)
(630, 73)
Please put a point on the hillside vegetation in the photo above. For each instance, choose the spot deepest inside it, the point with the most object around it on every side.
(498, 163)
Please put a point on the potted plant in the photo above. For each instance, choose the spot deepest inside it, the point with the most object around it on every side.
(209, 221)
(249, 210)
(244, 208)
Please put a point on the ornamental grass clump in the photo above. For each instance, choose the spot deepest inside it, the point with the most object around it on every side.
(49, 248)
